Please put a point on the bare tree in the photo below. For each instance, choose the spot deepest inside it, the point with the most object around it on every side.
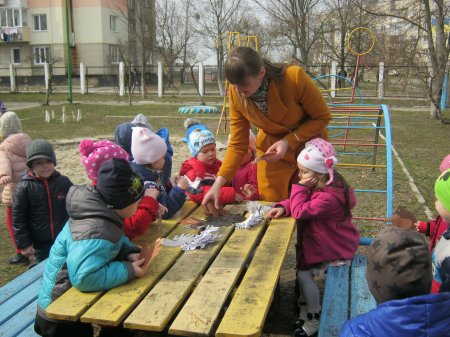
(215, 19)
(428, 17)
(296, 21)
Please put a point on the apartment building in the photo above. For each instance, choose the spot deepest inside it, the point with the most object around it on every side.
(34, 32)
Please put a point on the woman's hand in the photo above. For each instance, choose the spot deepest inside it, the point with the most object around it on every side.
(277, 151)
(213, 195)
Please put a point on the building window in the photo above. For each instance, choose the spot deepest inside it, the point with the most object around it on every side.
(10, 17)
(112, 23)
(41, 55)
(15, 55)
(114, 53)
(40, 22)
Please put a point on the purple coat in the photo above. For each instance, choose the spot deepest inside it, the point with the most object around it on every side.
(328, 234)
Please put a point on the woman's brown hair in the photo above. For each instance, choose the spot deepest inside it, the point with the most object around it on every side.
(243, 62)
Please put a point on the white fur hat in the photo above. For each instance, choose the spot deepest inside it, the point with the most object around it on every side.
(146, 146)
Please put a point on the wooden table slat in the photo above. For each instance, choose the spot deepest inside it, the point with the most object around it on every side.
(248, 309)
(200, 313)
(159, 306)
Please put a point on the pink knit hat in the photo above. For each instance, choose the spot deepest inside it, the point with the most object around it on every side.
(445, 165)
(146, 146)
(94, 154)
(319, 156)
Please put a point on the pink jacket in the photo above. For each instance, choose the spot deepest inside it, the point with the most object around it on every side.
(246, 174)
(13, 162)
(327, 233)
(433, 229)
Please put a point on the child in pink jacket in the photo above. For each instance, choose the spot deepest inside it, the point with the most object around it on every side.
(322, 203)
(435, 228)
(12, 165)
(245, 181)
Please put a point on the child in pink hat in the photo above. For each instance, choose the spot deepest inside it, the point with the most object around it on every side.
(93, 156)
(245, 181)
(322, 203)
(436, 227)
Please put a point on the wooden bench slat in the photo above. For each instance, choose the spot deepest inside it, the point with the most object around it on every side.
(28, 332)
(13, 287)
(200, 313)
(159, 306)
(248, 309)
(15, 304)
(74, 303)
(19, 323)
(362, 300)
(335, 301)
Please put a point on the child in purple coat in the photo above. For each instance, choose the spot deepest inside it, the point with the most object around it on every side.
(322, 203)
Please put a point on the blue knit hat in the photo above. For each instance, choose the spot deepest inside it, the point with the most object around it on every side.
(197, 135)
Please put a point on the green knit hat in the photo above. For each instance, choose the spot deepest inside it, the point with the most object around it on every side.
(442, 189)
(40, 149)
(9, 124)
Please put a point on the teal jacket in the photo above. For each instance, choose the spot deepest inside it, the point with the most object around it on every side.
(91, 251)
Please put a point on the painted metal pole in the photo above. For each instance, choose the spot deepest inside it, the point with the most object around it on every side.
(201, 79)
(121, 79)
(160, 79)
(444, 92)
(82, 78)
(381, 81)
(69, 66)
(12, 78)
(333, 78)
(46, 76)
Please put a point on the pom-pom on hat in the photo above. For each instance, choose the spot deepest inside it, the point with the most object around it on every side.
(197, 135)
(141, 120)
(94, 154)
(442, 189)
(119, 185)
(146, 146)
(319, 156)
(445, 165)
(9, 124)
(40, 149)
(398, 265)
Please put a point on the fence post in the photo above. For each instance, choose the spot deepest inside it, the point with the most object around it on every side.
(46, 76)
(201, 79)
(82, 78)
(121, 78)
(381, 81)
(12, 78)
(160, 79)
(333, 78)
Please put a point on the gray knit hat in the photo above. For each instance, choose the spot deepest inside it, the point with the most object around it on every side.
(9, 124)
(398, 265)
(40, 149)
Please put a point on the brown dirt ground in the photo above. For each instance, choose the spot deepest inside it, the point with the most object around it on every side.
(279, 321)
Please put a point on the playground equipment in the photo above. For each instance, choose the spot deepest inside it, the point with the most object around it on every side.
(234, 39)
(197, 109)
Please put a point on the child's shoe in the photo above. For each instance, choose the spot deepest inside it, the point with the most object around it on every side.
(310, 327)
(302, 317)
(19, 258)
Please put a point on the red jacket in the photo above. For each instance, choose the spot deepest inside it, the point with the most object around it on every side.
(246, 174)
(328, 234)
(141, 220)
(201, 177)
(433, 229)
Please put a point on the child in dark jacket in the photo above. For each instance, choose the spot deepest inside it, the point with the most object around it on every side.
(39, 204)
(94, 154)
(149, 154)
(322, 203)
(91, 253)
(201, 169)
(12, 164)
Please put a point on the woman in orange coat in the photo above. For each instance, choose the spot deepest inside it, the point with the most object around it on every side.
(287, 107)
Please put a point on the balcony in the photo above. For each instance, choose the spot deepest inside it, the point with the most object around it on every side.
(14, 34)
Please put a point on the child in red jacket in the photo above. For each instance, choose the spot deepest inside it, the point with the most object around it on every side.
(435, 228)
(94, 155)
(201, 169)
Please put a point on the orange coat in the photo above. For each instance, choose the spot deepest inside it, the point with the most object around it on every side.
(297, 112)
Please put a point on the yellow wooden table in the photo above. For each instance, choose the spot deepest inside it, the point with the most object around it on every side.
(224, 289)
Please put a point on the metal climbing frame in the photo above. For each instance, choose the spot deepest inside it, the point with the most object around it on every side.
(354, 129)
(234, 39)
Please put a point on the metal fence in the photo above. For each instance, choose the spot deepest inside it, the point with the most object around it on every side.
(399, 81)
